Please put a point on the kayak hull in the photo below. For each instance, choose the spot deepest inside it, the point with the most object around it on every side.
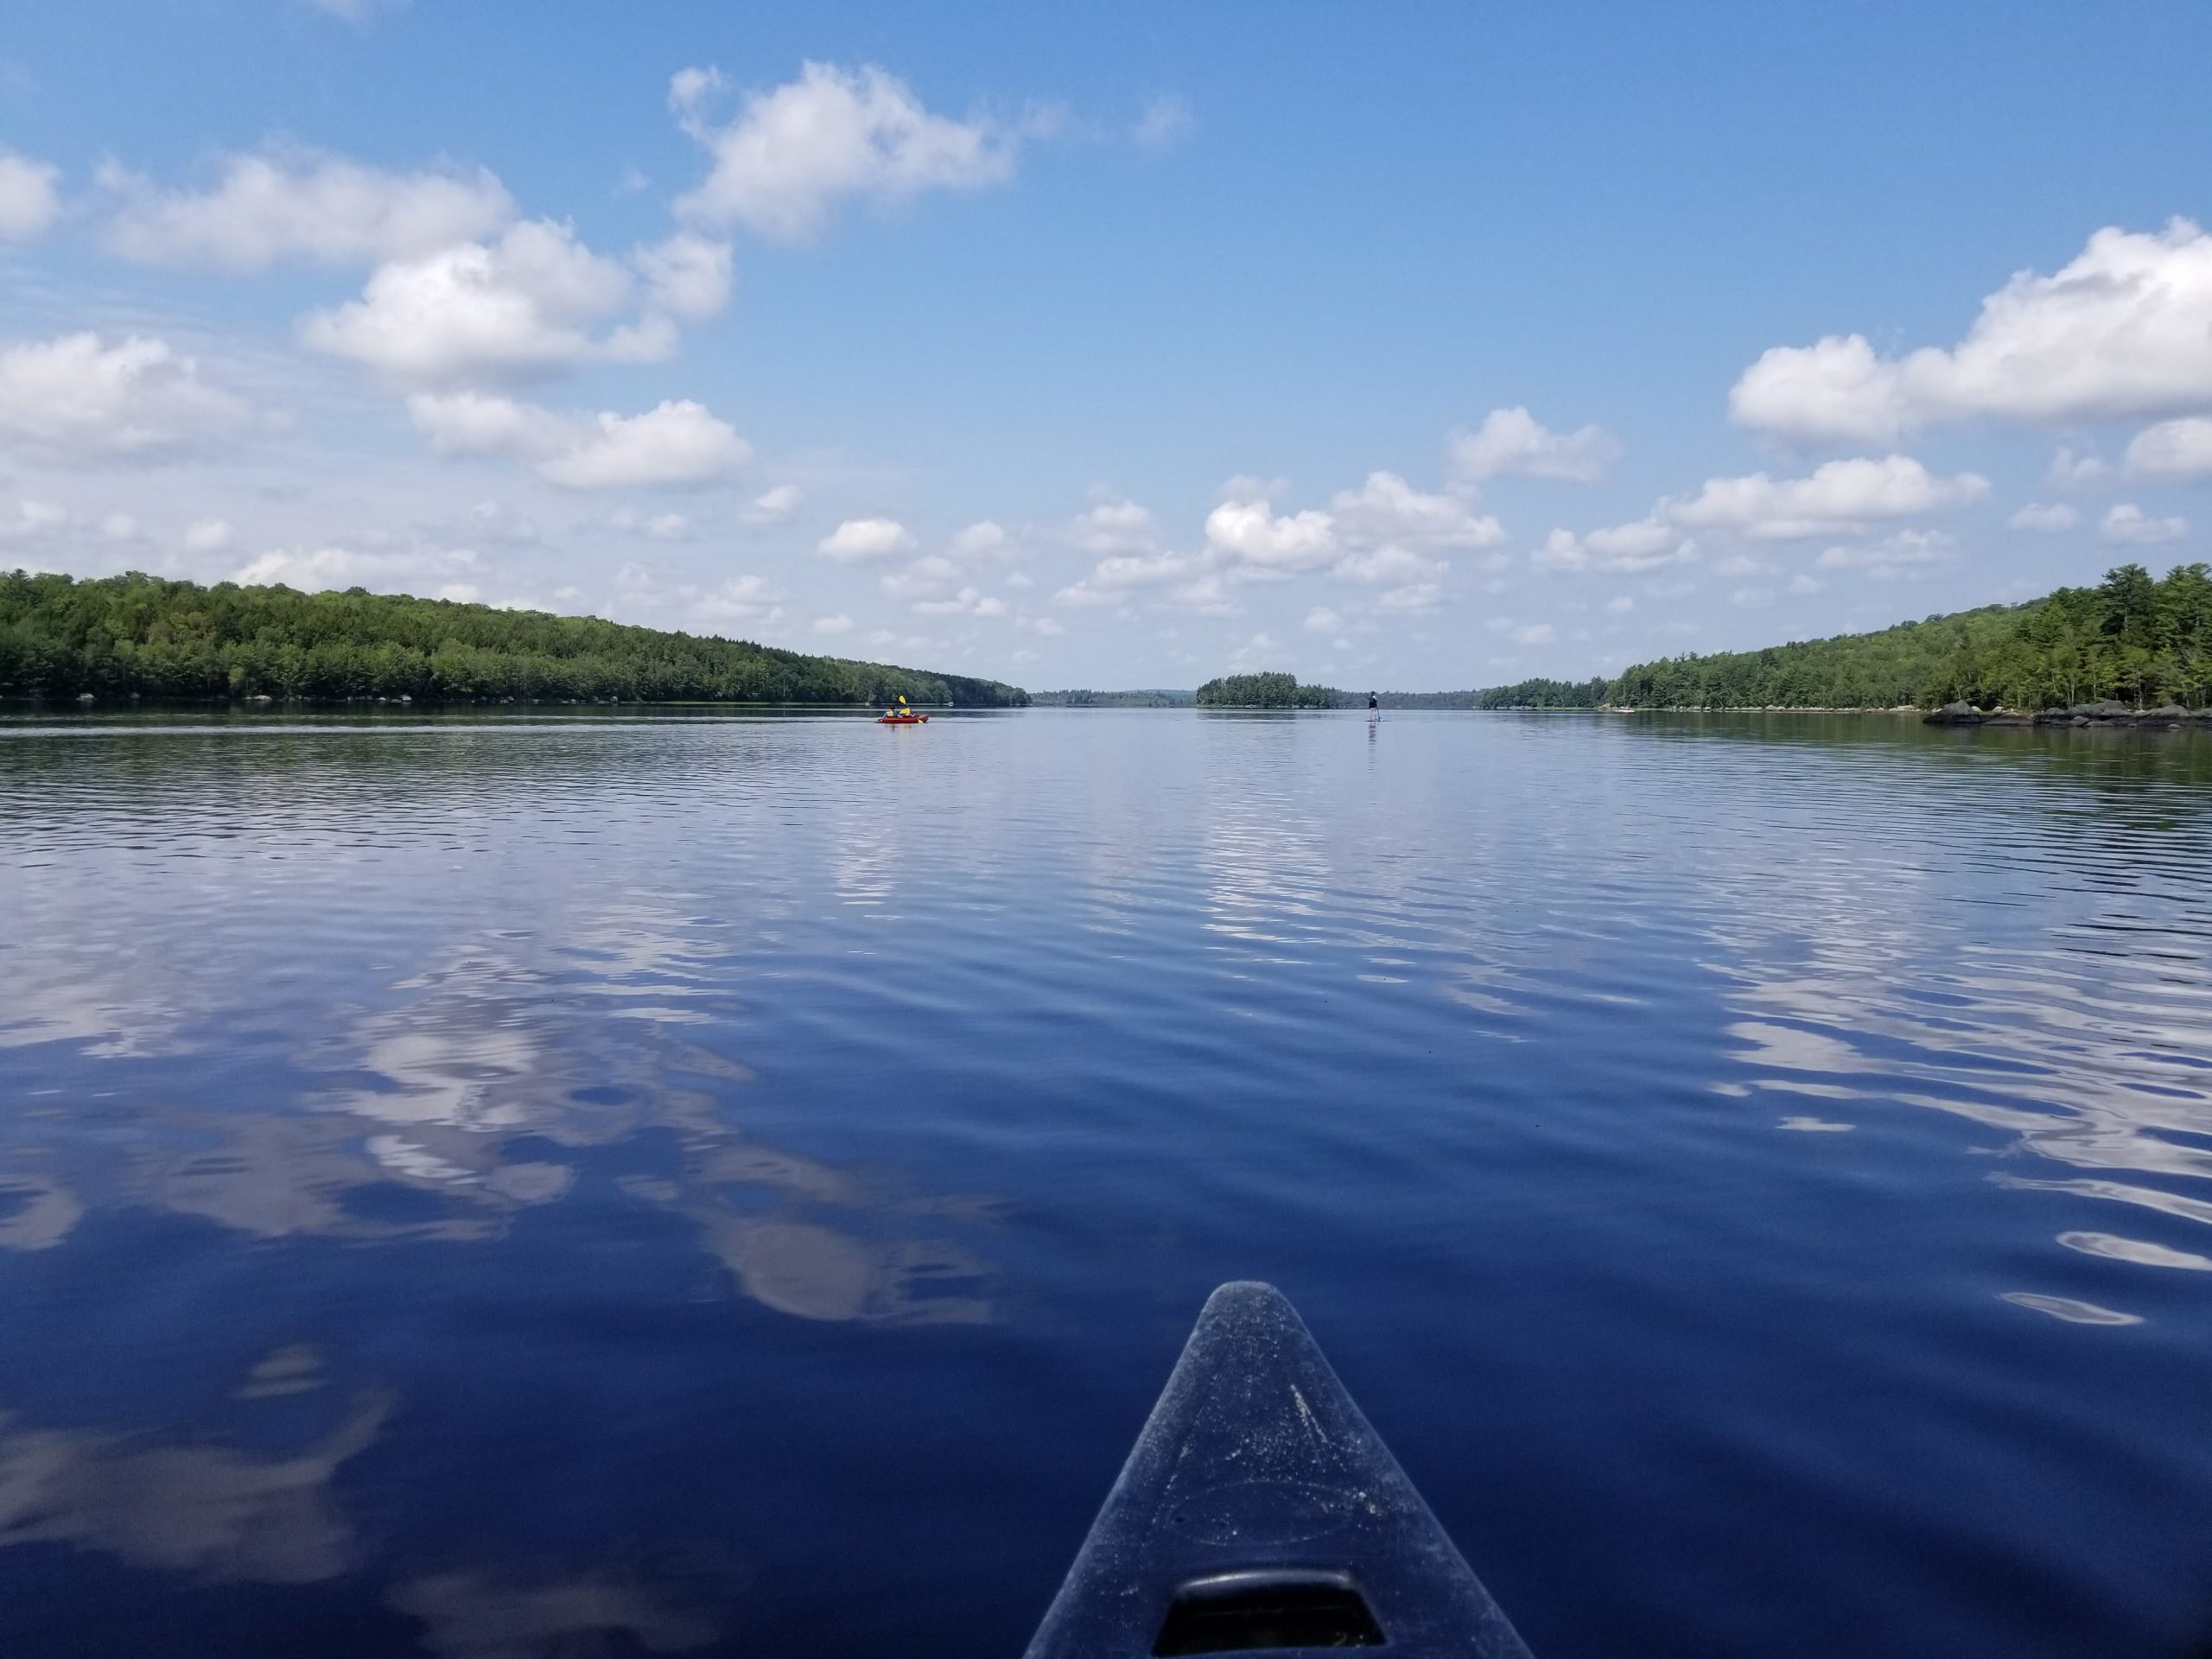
(902, 720)
(1261, 1511)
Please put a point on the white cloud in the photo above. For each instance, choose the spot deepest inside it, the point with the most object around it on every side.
(313, 569)
(1252, 653)
(1533, 633)
(78, 400)
(2129, 525)
(858, 540)
(777, 506)
(686, 277)
(984, 539)
(1113, 524)
(2118, 333)
(1166, 121)
(1046, 625)
(485, 423)
(2050, 518)
(1386, 509)
(32, 519)
(2069, 470)
(1513, 442)
(208, 536)
(307, 205)
(838, 624)
(1902, 549)
(1250, 533)
(667, 527)
(676, 443)
(741, 599)
(28, 202)
(2172, 449)
(1113, 577)
(531, 304)
(1623, 549)
(1840, 495)
(1621, 603)
(795, 151)
(931, 577)
(1322, 619)
(968, 601)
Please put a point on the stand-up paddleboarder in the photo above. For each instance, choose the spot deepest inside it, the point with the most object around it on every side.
(1374, 709)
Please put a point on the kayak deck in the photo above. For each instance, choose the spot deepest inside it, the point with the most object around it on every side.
(1260, 1512)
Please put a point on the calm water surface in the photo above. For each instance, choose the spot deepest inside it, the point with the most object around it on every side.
(737, 1185)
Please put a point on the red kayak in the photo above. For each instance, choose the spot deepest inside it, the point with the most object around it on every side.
(902, 720)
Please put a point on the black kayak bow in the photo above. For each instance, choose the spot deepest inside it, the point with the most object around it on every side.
(1259, 1512)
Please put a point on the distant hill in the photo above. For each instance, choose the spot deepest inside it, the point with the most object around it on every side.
(1113, 699)
(119, 635)
(2134, 637)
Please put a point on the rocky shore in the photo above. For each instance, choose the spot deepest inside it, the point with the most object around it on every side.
(2171, 717)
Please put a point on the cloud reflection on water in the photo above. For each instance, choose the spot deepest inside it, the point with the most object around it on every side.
(211, 1511)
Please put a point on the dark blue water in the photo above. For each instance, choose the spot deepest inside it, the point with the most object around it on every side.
(736, 1187)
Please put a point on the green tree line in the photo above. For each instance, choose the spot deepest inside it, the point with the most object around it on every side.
(2134, 638)
(1548, 694)
(119, 635)
(1266, 691)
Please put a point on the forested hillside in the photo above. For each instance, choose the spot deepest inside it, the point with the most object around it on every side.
(1548, 694)
(123, 634)
(2135, 638)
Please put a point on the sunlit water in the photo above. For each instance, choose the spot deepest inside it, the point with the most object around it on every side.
(737, 1185)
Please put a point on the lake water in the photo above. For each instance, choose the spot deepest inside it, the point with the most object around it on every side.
(737, 1185)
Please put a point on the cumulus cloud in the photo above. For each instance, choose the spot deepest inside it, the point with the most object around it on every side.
(838, 624)
(1841, 494)
(2127, 524)
(77, 398)
(794, 152)
(1386, 510)
(857, 541)
(1322, 619)
(778, 506)
(441, 573)
(677, 443)
(1252, 653)
(686, 277)
(2118, 333)
(536, 301)
(1113, 524)
(1248, 533)
(1113, 577)
(2047, 518)
(1622, 549)
(968, 601)
(2172, 449)
(1513, 442)
(29, 200)
(1902, 550)
(984, 539)
(208, 536)
(306, 206)
(485, 423)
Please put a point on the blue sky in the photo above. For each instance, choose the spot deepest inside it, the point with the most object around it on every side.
(1421, 347)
